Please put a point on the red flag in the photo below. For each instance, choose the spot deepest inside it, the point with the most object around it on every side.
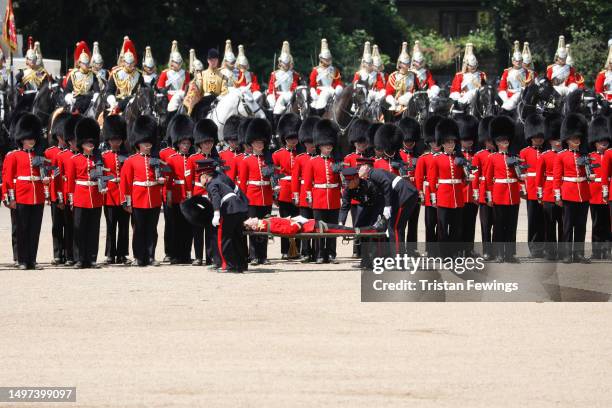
(9, 31)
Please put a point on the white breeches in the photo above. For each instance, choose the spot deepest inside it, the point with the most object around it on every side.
(467, 96)
(176, 101)
(433, 91)
(510, 102)
(564, 90)
(319, 101)
(279, 104)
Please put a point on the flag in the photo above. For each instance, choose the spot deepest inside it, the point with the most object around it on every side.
(9, 31)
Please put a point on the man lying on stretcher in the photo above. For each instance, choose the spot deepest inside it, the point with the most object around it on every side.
(299, 224)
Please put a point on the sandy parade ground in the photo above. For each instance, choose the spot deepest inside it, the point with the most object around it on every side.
(289, 335)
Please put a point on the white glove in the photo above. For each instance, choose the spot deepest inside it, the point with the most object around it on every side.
(387, 212)
(95, 97)
(112, 101)
(391, 101)
(296, 198)
(338, 90)
(69, 98)
(216, 218)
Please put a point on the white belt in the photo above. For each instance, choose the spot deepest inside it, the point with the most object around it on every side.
(86, 183)
(531, 174)
(115, 180)
(28, 178)
(482, 178)
(198, 184)
(574, 179)
(258, 183)
(30, 91)
(425, 183)
(598, 180)
(396, 180)
(227, 197)
(178, 181)
(549, 178)
(326, 185)
(288, 178)
(450, 181)
(301, 181)
(506, 181)
(145, 183)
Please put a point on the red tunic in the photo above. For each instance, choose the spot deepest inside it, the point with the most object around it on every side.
(253, 184)
(314, 83)
(272, 83)
(572, 78)
(297, 177)
(503, 83)
(502, 183)
(569, 179)
(112, 167)
(606, 172)
(323, 184)
(247, 79)
(22, 180)
(420, 175)
(458, 80)
(238, 163)
(390, 87)
(279, 226)
(284, 161)
(481, 158)
(601, 87)
(544, 176)
(596, 186)
(162, 82)
(350, 160)
(229, 158)
(60, 181)
(468, 189)
(427, 83)
(138, 183)
(176, 182)
(164, 155)
(50, 157)
(384, 163)
(530, 155)
(192, 179)
(378, 84)
(81, 189)
(446, 181)
(408, 157)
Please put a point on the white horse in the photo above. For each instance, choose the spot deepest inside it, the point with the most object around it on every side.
(238, 101)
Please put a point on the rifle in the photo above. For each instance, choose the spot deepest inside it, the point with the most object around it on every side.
(518, 164)
(467, 166)
(402, 167)
(97, 174)
(588, 164)
(44, 168)
(158, 167)
(270, 171)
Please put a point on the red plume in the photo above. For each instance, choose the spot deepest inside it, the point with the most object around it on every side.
(30, 43)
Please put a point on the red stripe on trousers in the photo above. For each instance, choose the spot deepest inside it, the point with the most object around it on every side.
(219, 245)
(397, 218)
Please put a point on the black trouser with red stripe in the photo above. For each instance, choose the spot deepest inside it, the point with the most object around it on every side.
(28, 221)
(87, 234)
(326, 247)
(117, 231)
(307, 245)
(258, 245)
(574, 227)
(144, 239)
(504, 230)
(286, 210)
(535, 227)
(232, 243)
(397, 224)
(600, 232)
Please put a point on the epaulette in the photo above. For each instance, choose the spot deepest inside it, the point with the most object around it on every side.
(426, 153)
(51, 147)
(301, 154)
(603, 71)
(564, 150)
(550, 66)
(547, 151)
(481, 150)
(12, 151)
(106, 152)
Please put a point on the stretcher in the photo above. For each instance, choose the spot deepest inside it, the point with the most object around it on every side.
(312, 235)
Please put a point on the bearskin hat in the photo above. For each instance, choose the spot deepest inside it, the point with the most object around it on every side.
(306, 132)
(230, 129)
(70, 125)
(114, 127)
(28, 127)
(144, 130)
(483, 129)
(372, 132)
(468, 127)
(429, 131)
(388, 138)
(87, 131)
(259, 129)
(534, 126)
(325, 132)
(358, 132)
(552, 126)
(599, 130)
(502, 127)
(180, 128)
(57, 126)
(574, 125)
(197, 210)
(411, 129)
(242, 128)
(288, 126)
(205, 129)
(446, 128)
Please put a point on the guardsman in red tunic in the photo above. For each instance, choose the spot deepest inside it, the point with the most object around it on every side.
(283, 82)
(246, 79)
(230, 137)
(553, 214)
(402, 83)
(564, 77)
(503, 189)
(424, 78)
(480, 160)
(284, 161)
(389, 143)
(514, 80)
(599, 141)
(468, 134)
(57, 196)
(84, 193)
(298, 188)
(205, 137)
(446, 179)
(124, 79)
(358, 137)
(323, 186)
(603, 82)
(411, 131)
(369, 77)
(164, 154)
(571, 187)
(606, 179)
(325, 79)
(420, 178)
(256, 171)
(114, 133)
(174, 79)
(180, 130)
(141, 187)
(534, 134)
(24, 187)
(469, 80)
